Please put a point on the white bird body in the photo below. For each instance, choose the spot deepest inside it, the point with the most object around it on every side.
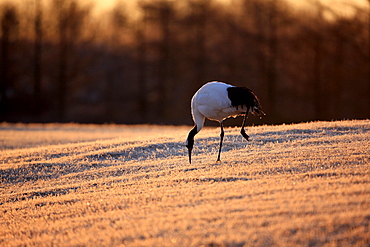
(211, 101)
(218, 101)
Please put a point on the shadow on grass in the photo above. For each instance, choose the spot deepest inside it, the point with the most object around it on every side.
(116, 154)
(33, 169)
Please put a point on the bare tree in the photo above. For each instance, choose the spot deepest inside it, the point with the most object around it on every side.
(317, 63)
(9, 26)
(368, 53)
(200, 14)
(38, 30)
(272, 56)
(63, 58)
(115, 87)
(142, 54)
(70, 21)
(166, 13)
(265, 16)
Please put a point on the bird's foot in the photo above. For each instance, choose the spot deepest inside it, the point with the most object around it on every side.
(244, 134)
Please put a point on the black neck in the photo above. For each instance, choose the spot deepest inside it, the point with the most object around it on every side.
(191, 135)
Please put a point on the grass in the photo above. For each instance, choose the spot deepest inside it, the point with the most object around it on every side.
(304, 184)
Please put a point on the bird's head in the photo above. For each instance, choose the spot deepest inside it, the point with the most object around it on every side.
(257, 110)
(190, 140)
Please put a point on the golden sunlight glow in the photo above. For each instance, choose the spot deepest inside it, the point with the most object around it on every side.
(341, 7)
(106, 4)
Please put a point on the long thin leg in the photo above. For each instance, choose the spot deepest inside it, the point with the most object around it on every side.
(242, 131)
(221, 139)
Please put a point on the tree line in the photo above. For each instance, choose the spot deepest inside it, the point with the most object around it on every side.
(61, 60)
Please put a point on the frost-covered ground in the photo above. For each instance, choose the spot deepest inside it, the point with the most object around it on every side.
(86, 185)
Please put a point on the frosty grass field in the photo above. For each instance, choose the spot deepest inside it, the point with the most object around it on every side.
(303, 184)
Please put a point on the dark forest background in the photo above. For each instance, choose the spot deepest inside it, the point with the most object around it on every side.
(61, 61)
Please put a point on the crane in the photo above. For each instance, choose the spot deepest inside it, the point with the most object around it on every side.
(218, 101)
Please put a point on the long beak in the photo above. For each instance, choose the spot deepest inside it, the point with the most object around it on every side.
(189, 151)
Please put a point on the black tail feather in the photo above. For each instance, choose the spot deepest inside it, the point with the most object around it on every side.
(242, 96)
